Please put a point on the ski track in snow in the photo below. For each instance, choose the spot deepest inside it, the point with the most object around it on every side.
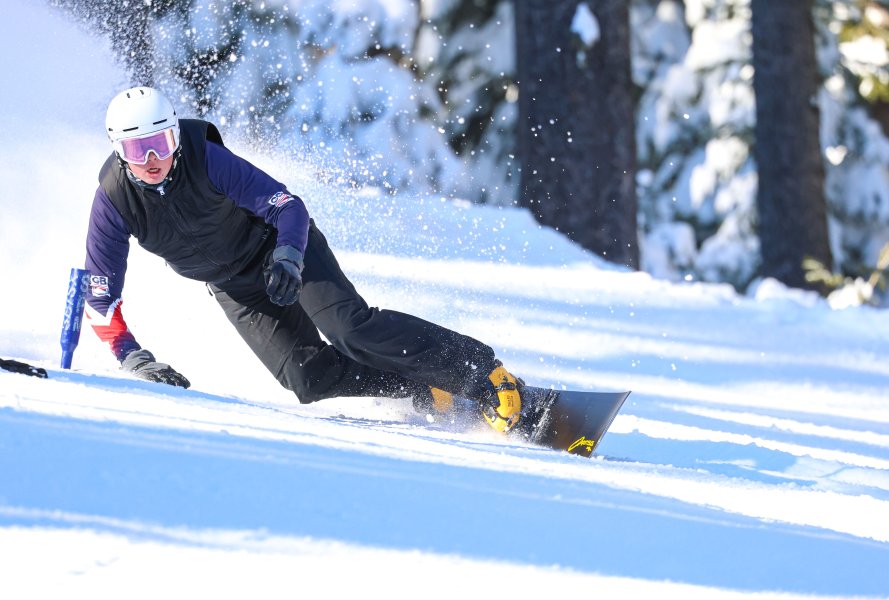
(751, 460)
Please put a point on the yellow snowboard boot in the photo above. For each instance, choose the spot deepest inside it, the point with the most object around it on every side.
(442, 401)
(434, 401)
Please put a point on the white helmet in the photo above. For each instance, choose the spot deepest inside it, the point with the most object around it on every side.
(137, 113)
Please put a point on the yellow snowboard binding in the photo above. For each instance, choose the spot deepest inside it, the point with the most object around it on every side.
(503, 408)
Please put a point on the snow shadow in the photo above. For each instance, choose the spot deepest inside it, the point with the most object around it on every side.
(655, 340)
(204, 481)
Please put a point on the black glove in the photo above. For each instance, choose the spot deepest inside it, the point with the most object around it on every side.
(141, 363)
(283, 275)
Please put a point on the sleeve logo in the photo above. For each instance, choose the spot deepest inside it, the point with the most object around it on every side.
(99, 286)
(280, 199)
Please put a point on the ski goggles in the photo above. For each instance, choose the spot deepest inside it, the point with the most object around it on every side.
(135, 150)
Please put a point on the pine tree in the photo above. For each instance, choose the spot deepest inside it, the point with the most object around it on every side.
(466, 49)
(127, 25)
(852, 46)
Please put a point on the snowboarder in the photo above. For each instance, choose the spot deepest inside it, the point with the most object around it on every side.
(215, 217)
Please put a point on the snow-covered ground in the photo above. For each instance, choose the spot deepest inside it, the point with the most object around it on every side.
(752, 458)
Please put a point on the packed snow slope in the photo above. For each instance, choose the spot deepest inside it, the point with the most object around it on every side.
(751, 458)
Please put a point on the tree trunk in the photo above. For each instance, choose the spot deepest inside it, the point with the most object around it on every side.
(790, 199)
(576, 129)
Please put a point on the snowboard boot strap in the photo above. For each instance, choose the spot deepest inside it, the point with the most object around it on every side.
(502, 409)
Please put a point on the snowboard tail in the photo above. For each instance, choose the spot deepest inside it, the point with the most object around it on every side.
(23, 368)
(568, 420)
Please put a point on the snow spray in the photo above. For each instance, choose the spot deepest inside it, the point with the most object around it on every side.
(78, 283)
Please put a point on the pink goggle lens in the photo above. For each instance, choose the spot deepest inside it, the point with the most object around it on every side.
(135, 150)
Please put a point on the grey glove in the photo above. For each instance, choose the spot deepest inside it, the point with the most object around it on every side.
(283, 275)
(141, 363)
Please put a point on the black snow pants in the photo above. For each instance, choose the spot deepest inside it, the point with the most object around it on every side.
(371, 352)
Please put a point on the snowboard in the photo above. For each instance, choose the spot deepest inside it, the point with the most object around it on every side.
(567, 420)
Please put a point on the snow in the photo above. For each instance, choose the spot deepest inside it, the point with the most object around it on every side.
(585, 25)
(867, 50)
(752, 458)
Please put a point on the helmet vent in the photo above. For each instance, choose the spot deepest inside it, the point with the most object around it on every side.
(159, 122)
